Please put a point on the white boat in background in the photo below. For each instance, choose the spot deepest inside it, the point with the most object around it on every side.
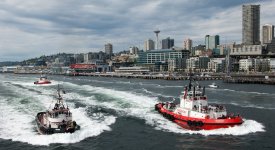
(213, 85)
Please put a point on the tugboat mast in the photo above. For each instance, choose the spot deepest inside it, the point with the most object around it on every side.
(59, 97)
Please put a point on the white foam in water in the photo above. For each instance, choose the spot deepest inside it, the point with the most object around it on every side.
(253, 106)
(20, 126)
(143, 107)
(173, 86)
(156, 94)
(53, 83)
(245, 92)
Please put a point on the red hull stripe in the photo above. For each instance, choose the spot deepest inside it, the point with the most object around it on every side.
(233, 123)
(42, 83)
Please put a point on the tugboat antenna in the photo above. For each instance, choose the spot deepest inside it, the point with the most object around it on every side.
(194, 90)
(59, 98)
(203, 91)
(190, 85)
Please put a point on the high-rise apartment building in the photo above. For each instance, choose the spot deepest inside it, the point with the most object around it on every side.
(133, 50)
(187, 44)
(79, 58)
(149, 45)
(87, 57)
(109, 49)
(212, 42)
(267, 33)
(251, 25)
(167, 43)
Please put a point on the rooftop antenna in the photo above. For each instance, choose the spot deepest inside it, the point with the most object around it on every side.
(157, 35)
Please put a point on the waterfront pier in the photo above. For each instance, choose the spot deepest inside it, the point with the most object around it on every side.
(151, 77)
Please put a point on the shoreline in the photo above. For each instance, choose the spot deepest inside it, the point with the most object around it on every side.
(234, 78)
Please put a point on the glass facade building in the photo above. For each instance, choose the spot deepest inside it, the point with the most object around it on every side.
(167, 43)
(212, 42)
(163, 55)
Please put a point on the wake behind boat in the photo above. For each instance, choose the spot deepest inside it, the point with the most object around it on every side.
(194, 113)
(43, 80)
(57, 119)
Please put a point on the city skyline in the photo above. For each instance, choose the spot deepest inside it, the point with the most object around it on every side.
(34, 28)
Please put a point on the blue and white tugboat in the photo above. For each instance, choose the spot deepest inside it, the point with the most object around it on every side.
(57, 119)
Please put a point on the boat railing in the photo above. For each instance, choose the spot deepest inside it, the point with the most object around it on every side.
(170, 106)
(219, 107)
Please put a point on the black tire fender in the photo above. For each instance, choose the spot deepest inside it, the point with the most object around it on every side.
(172, 118)
(156, 107)
(196, 123)
(189, 123)
(200, 123)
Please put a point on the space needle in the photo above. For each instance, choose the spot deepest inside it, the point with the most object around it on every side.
(157, 35)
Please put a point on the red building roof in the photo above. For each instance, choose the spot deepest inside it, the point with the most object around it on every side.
(83, 66)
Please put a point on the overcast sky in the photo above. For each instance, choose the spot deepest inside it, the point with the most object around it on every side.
(31, 28)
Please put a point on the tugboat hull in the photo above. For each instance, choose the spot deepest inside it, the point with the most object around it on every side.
(198, 123)
(44, 82)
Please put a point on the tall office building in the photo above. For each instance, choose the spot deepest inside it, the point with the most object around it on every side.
(187, 44)
(79, 58)
(167, 43)
(212, 42)
(149, 45)
(87, 57)
(133, 50)
(109, 49)
(267, 33)
(251, 25)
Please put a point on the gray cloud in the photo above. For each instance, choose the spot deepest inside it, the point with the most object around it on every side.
(32, 28)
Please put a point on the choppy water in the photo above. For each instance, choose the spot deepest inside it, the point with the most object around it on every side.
(117, 113)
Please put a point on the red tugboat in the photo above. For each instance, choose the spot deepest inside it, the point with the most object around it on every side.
(194, 113)
(43, 80)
